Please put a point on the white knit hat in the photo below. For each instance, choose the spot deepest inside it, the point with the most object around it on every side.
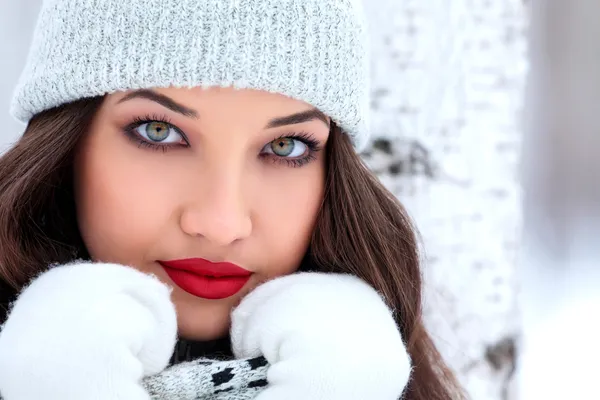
(310, 50)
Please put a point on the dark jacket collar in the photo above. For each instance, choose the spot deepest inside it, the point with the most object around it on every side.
(7, 296)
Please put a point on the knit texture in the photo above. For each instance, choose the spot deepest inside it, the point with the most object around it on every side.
(311, 50)
(206, 379)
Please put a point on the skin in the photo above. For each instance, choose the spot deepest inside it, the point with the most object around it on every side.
(224, 196)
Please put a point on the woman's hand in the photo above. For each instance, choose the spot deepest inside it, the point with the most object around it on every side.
(87, 331)
(326, 336)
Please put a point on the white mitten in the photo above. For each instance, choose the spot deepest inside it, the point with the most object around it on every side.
(87, 331)
(326, 336)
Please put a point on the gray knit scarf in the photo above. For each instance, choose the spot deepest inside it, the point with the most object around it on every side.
(206, 379)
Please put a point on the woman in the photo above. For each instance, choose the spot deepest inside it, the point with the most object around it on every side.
(188, 186)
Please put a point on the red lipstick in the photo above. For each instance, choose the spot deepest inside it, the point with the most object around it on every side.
(206, 279)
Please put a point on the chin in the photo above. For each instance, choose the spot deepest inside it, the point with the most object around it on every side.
(201, 319)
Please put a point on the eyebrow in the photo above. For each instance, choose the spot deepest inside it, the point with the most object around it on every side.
(298, 118)
(161, 99)
(167, 102)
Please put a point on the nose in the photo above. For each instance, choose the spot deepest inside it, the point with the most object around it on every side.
(218, 213)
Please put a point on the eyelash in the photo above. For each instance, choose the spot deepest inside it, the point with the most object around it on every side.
(129, 131)
(306, 138)
(309, 141)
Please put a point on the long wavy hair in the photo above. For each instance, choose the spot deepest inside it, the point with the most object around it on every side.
(362, 229)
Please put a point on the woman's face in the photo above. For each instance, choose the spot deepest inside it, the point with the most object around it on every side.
(170, 181)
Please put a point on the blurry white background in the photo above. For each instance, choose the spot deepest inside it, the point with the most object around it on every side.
(503, 186)
(560, 298)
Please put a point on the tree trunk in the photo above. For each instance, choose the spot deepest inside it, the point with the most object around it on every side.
(447, 99)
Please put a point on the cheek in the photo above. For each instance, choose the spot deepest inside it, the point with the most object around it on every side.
(120, 204)
(286, 211)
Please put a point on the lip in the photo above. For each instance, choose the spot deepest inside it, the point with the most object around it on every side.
(205, 279)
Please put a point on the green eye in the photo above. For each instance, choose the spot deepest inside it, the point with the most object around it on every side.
(283, 147)
(157, 131)
(294, 150)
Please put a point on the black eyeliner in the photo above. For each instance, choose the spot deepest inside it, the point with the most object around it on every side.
(312, 144)
(130, 128)
(306, 138)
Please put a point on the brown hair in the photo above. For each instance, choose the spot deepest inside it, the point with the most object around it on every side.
(362, 229)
